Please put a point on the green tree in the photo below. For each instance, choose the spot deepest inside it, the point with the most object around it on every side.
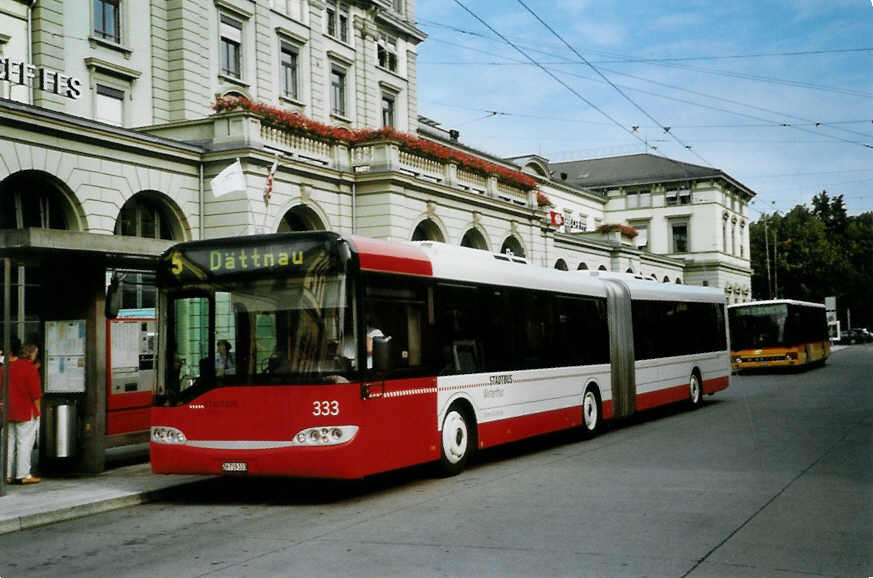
(815, 254)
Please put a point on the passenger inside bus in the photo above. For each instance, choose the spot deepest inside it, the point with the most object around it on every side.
(224, 362)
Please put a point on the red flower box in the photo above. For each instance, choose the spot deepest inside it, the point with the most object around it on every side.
(296, 122)
(626, 230)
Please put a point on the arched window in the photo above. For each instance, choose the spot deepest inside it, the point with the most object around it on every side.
(630, 270)
(512, 246)
(427, 230)
(561, 265)
(300, 218)
(602, 268)
(666, 279)
(474, 239)
(34, 199)
(144, 215)
(582, 267)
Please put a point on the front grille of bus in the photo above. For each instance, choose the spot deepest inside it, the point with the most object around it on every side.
(766, 358)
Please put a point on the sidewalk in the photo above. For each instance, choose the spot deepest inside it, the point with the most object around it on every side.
(64, 498)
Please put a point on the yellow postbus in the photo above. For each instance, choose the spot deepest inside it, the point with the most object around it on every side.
(778, 333)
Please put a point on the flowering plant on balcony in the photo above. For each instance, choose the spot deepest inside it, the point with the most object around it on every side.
(291, 121)
(626, 230)
(296, 122)
(543, 200)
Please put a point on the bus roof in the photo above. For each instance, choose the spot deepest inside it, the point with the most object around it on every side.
(475, 265)
(777, 302)
(651, 290)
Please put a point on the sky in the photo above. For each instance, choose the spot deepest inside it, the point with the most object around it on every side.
(776, 93)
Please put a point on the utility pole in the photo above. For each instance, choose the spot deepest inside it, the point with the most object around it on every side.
(767, 257)
(775, 263)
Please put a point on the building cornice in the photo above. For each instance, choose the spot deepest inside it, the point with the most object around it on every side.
(44, 121)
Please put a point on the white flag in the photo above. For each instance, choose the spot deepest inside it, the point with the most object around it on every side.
(230, 180)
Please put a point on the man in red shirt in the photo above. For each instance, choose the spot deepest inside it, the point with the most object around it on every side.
(24, 395)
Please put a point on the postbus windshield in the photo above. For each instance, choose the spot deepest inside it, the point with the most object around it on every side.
(285, 324)
(759, 326)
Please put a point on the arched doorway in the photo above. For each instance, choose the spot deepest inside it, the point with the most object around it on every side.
(300, 218)
(35, 199)
(474, 239)
(45, 283)
(511, 245)
(561, 265)
(427, 230)
(147, 215)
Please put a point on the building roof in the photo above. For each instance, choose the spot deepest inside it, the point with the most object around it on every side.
(636, 169)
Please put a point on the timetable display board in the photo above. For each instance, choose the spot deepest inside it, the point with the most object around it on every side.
(65, 356)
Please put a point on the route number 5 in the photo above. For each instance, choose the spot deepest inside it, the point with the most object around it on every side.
(325, 407)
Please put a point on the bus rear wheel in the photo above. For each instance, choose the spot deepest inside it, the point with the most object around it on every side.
(696, 391)
(591, 415)
(458, 441)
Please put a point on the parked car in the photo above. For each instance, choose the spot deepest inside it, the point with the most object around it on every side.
(858, 335)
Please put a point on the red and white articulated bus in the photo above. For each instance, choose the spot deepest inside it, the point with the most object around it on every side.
(321, 355)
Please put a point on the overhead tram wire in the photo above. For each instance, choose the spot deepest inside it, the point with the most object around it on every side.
(621, 59)
(554, 77)
(675, 63)
(666, 129)
(772, 123)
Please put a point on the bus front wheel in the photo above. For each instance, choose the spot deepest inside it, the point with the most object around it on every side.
(458, 441)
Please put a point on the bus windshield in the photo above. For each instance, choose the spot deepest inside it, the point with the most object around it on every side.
(286, 330)
(758, 327)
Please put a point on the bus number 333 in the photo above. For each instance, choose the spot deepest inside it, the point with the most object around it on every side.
(325, 407)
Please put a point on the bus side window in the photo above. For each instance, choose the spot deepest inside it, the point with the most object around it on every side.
(396, 307)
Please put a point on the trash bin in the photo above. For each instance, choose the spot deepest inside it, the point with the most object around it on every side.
(60, 432)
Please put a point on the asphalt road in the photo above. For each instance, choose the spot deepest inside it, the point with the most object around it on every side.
(772, 477)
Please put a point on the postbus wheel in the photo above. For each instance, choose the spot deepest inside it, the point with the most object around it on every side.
(591, 412)
(695, 386)
(458, 440)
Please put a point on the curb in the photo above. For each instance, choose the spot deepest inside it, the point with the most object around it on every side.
(29, 521)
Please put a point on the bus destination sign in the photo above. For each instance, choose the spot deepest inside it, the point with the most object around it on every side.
(220, 260)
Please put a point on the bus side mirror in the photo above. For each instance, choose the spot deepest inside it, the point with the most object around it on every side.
(382, 353)
(113, 296)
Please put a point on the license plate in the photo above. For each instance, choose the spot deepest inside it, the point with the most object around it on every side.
(234, 467)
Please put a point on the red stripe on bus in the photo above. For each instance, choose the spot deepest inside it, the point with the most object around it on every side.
(663, 396)
(516, 428)
(716, 384)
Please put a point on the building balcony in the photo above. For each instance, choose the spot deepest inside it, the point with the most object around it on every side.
(337, 149)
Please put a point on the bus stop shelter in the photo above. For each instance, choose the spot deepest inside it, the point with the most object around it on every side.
(52, 281)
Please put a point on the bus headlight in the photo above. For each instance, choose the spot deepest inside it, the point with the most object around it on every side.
(326, 435)
(167, 435)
